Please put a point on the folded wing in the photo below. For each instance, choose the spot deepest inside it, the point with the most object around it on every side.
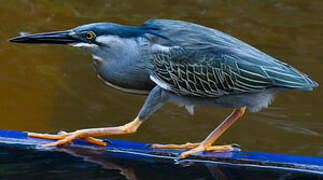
(208, 63)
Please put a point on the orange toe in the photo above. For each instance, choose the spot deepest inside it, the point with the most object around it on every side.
(176, 146)
(66, 137)
(48, 136)
(201, 148)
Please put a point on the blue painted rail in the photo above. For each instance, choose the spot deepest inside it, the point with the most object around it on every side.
(142, 152)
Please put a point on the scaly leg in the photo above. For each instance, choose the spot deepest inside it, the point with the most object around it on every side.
(207, 143)
(154, 101)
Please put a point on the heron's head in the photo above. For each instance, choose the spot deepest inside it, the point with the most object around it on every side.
(101, 39)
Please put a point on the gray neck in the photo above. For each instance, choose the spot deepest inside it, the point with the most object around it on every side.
(122, 64)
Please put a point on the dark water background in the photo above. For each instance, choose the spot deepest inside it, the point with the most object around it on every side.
(50, 88)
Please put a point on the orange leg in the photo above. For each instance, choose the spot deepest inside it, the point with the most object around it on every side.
(88, 134)
(213, 136)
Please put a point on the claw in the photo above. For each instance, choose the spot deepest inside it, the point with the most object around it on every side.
(234, 145)
(148, 146)
(107, 141)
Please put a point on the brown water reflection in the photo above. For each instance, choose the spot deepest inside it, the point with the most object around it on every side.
(50, 88)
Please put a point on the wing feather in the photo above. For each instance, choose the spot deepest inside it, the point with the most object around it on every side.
(205, 62)
(211, 75)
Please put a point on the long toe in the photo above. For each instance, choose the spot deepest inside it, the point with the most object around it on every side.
(96, 141)
(67, 137)
(176, 146)
(201, 148)
(48, 136)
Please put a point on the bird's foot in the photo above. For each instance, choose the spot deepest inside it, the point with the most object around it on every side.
(202, 147)
(88, 134)
(64, 137)
(195, 147)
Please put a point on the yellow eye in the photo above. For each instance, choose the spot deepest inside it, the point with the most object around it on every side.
(89, 35)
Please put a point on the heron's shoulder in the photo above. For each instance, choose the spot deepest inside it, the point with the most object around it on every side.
(200, 38)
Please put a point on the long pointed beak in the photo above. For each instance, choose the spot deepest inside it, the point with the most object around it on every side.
(57, 37)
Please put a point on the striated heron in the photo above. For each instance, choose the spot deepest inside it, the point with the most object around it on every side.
(176, 61)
